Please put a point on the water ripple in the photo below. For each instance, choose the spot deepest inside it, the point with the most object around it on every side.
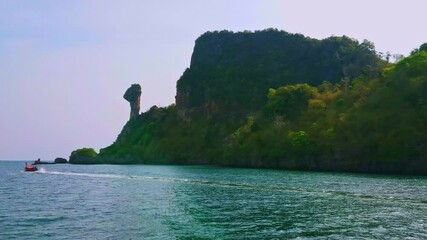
(174, 202)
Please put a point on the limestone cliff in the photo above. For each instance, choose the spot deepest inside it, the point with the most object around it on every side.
(230, 73)
(225, 113)
(133, 96)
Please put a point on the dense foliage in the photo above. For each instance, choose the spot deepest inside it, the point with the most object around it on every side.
(230, 73)
(84, 156)
(371, 116)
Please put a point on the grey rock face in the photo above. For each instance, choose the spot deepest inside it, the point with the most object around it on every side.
(133, 96)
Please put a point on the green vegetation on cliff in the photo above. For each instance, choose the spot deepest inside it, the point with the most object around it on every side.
(84, 156)
(231, 72)
(279, 100)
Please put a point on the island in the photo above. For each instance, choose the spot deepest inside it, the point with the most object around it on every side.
(273, 99)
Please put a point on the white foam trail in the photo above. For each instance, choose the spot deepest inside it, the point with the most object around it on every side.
(234, 185)
(102, 175)
(97, 175)
(163, 179)
(136, 177)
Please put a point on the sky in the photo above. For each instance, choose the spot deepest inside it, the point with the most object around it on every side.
(65, 65)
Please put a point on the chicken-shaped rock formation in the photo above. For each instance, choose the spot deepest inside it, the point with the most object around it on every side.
(133, 96)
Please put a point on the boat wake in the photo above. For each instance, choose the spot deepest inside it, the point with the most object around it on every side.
(96, 175)
(241, 185)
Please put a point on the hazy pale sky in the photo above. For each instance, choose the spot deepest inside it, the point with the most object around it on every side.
(65, 65)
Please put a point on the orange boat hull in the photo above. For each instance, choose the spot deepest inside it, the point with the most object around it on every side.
(30, 168)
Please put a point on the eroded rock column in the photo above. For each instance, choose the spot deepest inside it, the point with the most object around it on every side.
(133, 96)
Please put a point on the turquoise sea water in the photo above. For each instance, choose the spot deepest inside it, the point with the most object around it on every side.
(198, 202)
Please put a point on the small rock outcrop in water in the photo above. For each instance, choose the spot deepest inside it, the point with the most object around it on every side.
(133, 96)
(61, 160)
(38, 161)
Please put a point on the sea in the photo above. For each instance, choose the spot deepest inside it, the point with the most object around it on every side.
(65, 201)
